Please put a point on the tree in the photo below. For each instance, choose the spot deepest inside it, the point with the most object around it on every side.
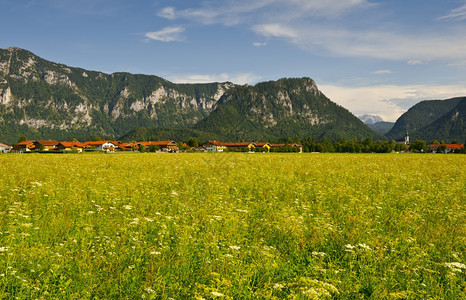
(193, 142)
(154, 148)
(419, 146)
(96, 138)
(441, 148)
(21, 138)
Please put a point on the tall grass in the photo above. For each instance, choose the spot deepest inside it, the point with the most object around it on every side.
(232, 226)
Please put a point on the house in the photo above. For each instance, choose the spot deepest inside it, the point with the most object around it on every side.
(4, 148)
(130, 146)
(240, 146)
(280, 147)
(70, 146)
(101, 145)
(214, 146)
(45, 145)
(265, 146)
(165, 146)
(445, 148)
(24, 146)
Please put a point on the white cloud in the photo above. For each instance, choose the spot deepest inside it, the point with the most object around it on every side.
(382, 72)
(233, 12)
(276, 30)
(167, 13)
(367, 43)
(324, 27)
(238, 78)
(457, 14)
(414, 62)
(388, 101)
(258, 44)
(168, 34)
(460, 63)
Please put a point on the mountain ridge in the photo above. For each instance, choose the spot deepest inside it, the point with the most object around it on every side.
(428, 120)
(49, 100)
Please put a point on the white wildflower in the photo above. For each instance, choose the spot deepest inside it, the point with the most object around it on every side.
(3, 249)
(456, 266)
(349, 247)
(217, 294)
(278, 286)
(127, 207)
(364, 246)
(235, 247)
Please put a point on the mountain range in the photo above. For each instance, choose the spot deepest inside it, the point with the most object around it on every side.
(42, 99)
(46, 100)
(442, 120)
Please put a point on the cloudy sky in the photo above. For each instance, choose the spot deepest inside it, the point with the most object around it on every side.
(370, 56)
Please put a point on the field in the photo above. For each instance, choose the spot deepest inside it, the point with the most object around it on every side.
(233, 226)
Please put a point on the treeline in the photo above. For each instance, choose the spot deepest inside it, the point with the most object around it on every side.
(367, 145)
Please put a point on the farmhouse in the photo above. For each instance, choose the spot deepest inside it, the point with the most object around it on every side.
(101, 145)
(45, 145)
(264, 147)
(214, 146)
(131, 146)
(277, 147)
(24, 146)
(445, 148)
(165, 146)
(4, 148)
(241, 146)
(70, 146)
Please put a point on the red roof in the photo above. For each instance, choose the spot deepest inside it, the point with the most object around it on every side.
(157, 143)
(217, 143)
(96, 143)
(47, 143)
(24, 143)
(127, 145)
(451, 146)
(239, 144)
(68, 144)
(261, 144)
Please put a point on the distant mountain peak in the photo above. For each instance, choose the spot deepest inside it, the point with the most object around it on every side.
(370, 119)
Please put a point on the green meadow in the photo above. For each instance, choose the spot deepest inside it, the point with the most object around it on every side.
(232, 226)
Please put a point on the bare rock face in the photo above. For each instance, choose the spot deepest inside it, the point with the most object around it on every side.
(40, 94)
(6, 96)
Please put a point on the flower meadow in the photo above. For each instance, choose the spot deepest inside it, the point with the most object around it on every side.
(232, 226)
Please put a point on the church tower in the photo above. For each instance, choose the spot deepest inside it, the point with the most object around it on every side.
(406, 138)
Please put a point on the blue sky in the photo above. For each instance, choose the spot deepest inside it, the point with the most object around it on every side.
(369, 56)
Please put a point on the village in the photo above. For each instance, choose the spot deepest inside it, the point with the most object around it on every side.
(170, 146)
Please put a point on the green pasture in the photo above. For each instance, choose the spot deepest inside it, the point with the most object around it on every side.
(232, 226)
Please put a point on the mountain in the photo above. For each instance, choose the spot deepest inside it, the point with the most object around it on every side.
(370, 119)
(176, 134)
(429, 120)
(381, 127)
(284, 108)
(450, 127)
(46, 100)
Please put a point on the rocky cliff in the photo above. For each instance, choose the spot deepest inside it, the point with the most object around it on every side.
(42, 99)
